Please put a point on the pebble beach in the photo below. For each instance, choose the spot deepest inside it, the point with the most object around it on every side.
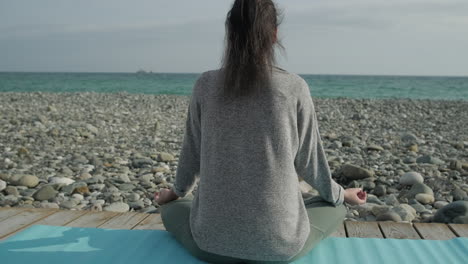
(113, 151)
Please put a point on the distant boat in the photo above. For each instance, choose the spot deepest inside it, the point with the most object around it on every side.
(140, 71)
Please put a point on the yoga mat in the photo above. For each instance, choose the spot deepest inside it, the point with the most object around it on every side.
(57, 244)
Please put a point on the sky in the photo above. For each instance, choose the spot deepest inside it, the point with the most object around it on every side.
(376, 37)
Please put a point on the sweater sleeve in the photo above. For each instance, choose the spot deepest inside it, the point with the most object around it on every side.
(310, 162)
(189, 160)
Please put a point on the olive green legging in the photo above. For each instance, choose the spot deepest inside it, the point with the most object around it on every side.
(324, 220)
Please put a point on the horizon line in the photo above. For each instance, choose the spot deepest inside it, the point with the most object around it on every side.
(154, 72)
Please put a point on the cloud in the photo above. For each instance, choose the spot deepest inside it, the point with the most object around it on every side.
(378, 15)
(42, 30)
(321, 36)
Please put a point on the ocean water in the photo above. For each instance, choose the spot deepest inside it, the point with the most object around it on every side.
(323, 86)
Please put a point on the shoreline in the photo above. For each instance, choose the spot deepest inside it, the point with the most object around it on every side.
(460, 100)
(112, 151)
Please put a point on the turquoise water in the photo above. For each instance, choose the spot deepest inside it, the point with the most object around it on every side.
(325, 86)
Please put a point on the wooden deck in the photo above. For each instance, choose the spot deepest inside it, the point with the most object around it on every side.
(13, 220)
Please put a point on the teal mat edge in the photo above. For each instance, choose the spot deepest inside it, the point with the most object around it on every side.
(331, 250)
(32, 227)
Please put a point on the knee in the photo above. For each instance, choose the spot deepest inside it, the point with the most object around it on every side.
(166, 208)
(162, 210)
(166, 211)
(163, 215)
(342, 211)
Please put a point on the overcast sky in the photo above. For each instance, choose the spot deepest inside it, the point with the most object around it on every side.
(390, 37)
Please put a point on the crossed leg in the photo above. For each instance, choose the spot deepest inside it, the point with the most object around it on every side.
(324, 219)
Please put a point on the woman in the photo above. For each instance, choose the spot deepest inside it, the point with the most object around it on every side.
(251, 132)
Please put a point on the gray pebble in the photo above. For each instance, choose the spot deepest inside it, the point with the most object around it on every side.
(11, 190)
(355, 172)
(389, 216)
(45, 193)
(3, 185)
(411, 178)
(380, 190)
(448, 213)
(459, 194)
(117, 207)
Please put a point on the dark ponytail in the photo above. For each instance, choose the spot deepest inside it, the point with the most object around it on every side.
(249, 54)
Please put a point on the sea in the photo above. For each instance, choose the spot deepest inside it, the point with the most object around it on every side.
(322, 86)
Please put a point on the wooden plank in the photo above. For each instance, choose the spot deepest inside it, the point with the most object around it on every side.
(126, 220)
(7, 212)
(25, 218)
(153, 221)
(363, 229)
(339, 232)
(398, 230)
(434, 231)
(460, 230)
(92, 219)
(58, 218)
(61, 217)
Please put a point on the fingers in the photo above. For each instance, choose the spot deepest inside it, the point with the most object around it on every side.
(161, 191)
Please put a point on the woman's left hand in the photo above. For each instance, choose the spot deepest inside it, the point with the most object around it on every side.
(164, 196)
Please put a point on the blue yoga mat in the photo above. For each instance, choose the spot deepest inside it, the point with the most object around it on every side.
(57, 244)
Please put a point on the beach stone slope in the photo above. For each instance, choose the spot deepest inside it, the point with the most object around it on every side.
(113, 151)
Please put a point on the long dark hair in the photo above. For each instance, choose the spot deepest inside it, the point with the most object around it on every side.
(250, 41)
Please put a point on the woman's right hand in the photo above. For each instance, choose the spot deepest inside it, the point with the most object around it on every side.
(355, 196)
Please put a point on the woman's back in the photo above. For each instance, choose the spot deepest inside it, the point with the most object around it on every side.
(249, 154)
(251, 132)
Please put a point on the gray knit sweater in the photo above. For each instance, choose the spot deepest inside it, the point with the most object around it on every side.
(247, 155)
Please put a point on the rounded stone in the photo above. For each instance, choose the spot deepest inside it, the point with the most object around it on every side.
(373, 199)
(4, 177)
(61, 180)
(405, 211)
(3, 185)
(411, 178)
(14, 179)
(424, 198)
(409, 137)
(458, 194)
(368, 185)
(137, 205)
(380, 209)
(389, 216)
(415, 189)
(45, 193)
(117, 207)
(28, 181)
(413, 148)
(96, 207)
(451, 211)
(392, 200)
(79, 187)
(380, 190)
(374, 147)
(49, 205)
(12, 190)
(420, 208)
(164, 156)
(123, 178)
(78, 196)
(133, 197)
(429, 159)
(85, 176)
(69, 204)
(440, 204)
(355, 172)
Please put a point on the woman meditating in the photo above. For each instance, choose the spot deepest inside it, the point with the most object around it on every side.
(251, 133)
